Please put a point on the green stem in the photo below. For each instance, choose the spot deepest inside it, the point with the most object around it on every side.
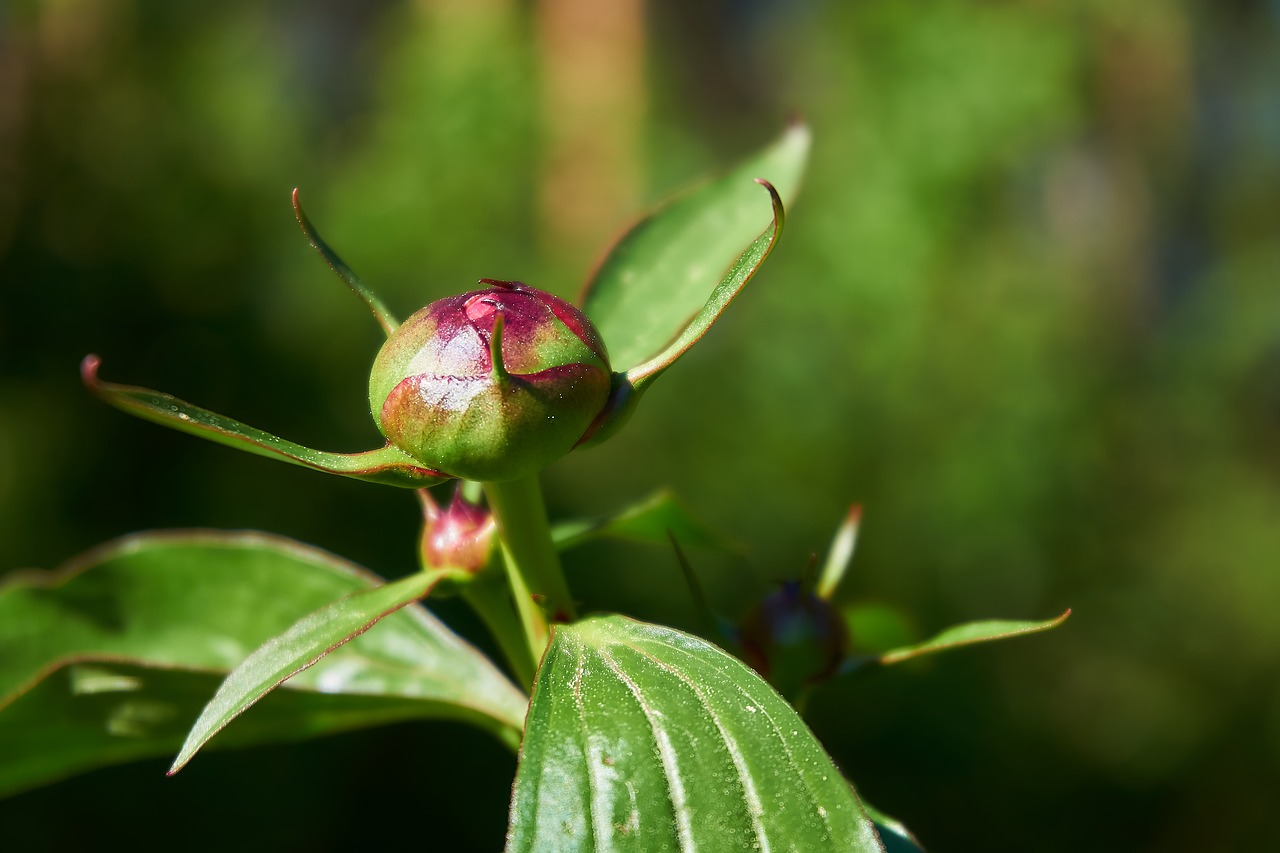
(490, 598)
(532, 619)
(526, 544)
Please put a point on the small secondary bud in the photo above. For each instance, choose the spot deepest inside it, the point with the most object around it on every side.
(458, 536)
(491, 385)
(794, 638)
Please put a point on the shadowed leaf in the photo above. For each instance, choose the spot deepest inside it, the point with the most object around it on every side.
(651, 520)
(86, 716)
(160, 606)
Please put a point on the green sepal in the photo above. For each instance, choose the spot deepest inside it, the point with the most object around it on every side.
(385, 318)
(630, 386)
(386, 465)
(658, 274)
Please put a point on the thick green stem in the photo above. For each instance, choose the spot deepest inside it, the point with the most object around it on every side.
(526, 544)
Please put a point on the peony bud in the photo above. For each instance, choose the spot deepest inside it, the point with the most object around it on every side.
(458, 536)
(794, 638)
(491, 385)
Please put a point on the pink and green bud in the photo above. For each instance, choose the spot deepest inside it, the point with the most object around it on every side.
(491, 385)
(459, 536)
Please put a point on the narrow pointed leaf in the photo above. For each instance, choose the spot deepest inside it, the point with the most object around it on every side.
(893, 833)
(174, 612)
(841, 554)
(385, 318)
(970, 633)
(659, 274)
(306, 641)
(651, 520)
(643, 738)
(386, 465)
(711, 625)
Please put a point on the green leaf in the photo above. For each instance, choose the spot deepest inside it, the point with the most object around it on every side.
(736, 278)
(876, 627)
(386, 465)
(640, 737)
(841, 554)
(659, 274)
(385, 318)
(307, 640)
(893, 833)
(85, 716)
(651, 520)
(630, 386)
(200, 602)
(969, 633)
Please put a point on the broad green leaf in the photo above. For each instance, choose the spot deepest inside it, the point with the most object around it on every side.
(660, 273)
(386, 465)
(201, 601)
(85, 716)
(654, 520)
(385, 318)
(969, 633)
(644, 738)
(307, 641)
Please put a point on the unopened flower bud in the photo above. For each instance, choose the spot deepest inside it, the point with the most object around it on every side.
(794, 638)
(458, 536)
(490, 385)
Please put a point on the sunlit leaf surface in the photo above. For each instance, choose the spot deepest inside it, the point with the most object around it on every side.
(301, 646)
(644, 738)
(662, 271)
(160, 607)
(628, 387)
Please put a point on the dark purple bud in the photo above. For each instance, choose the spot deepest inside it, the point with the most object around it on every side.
(491, 385)
(794, 638)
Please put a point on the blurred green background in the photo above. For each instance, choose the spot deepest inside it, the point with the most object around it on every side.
(1027, 312)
